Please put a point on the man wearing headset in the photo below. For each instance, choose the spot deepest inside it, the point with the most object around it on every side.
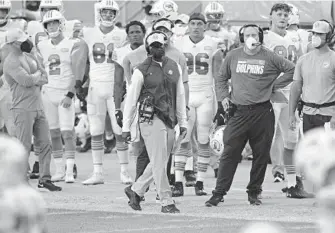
(254, 72)
(157, 86)
(314, 81)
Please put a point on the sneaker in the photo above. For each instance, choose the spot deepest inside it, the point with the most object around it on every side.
(178, 190)
(125, 178)
(279, 177)
(171, 209)
(35, 173)
(69, 178)
(190, 178)
(48, 185)
(254, 199)
(199, 189)
(214, 200)
(59, 176)
(75, 171)
(96, 178)
(134, 199)
(296, 192)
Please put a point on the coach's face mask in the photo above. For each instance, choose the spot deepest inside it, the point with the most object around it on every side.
(26, 46)
(251, 43)
(316, 41)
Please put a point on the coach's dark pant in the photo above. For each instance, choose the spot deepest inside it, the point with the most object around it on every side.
(256, 124)
(314, 121)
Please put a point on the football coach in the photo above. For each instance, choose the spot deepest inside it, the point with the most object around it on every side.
(255, 73)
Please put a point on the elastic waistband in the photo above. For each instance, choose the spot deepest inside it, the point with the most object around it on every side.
(254, 106)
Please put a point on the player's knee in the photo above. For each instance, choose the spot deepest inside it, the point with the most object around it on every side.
(67, 134)
(96, 129)
(55, 133)
(203, 134)
(290, 145)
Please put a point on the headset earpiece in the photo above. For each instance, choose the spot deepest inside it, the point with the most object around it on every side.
(260, 32)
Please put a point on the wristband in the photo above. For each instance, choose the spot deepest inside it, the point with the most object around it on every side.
(70, 95)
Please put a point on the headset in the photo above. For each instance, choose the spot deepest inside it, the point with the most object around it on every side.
(162, 19)
(329, 35)
(260, 32)
(154, 32)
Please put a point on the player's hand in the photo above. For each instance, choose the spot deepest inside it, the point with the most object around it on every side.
(119, 117)
(66, 102)
(332, 123)
(219, 117)
(225, 103)
(126, 136)
(292, 122)
(183, 132)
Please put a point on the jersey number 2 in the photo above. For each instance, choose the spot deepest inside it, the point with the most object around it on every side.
(201, 67)
(99, 52)
(54, 63)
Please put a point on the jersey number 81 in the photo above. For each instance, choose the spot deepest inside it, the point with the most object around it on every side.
(99, 52)
(201, 67)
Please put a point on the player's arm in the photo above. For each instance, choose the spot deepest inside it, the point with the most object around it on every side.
(296, 88)
(79, 56)
(127, 69)
(130, 106)
(184, 76)
(217, 60)
(180, 99)
(118, 85)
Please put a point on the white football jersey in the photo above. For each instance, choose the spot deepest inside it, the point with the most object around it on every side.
(101, 47)
(199, 61)
(283, 46)
(57, 62)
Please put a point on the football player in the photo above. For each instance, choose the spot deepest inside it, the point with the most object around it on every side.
(35, 28)
(214, 13)
(65, 61)
(5, 99)
(200, 51)
(276, 39)
(102, 40)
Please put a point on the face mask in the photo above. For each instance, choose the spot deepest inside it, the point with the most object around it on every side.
(26, 46)
(54, 34)
(250, 43)
(316, 41)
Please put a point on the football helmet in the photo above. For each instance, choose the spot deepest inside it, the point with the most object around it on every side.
(106, 5)
(216, 139)
(51, 4)
(214, 13)
(82, 129)
(165, 9)
(294, 17)
(5, 5)
(315, 155)
(54, 15)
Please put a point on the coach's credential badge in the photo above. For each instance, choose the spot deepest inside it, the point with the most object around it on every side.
(326, 64)
(170, 72)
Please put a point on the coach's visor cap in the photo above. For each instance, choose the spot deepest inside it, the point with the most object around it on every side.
(16, 34)
(321, 27)
(156, 37)
(163, 23)
(197, 16)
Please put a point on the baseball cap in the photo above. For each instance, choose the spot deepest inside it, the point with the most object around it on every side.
(16, 34)
(321, 27)
(156, 37)
(197, 16)
(163, 23)
(183, 18)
